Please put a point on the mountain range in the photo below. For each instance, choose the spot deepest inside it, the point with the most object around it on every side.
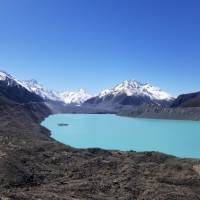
(37, 89)
(66, 97)
(128, 93)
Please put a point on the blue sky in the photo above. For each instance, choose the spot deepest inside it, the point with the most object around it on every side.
(94, 44)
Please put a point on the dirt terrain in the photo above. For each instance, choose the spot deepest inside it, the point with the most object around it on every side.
(35, 166)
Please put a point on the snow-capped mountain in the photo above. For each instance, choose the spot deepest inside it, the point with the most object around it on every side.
(33, 86)
(8, 79)
(4, 76)
(129, 92)
(77, 97)
(132, 92)
(11, 88)
(133, 87)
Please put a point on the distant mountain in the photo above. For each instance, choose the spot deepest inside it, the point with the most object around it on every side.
(188, 100)
(12, 89)
(77, 97)
(69, 98)
(131, 92)
(37, 88)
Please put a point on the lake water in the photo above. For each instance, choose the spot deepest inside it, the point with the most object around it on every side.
(180, 138)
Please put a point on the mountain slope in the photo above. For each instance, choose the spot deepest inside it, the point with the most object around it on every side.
(187, 100)
(131, 92)
(37, 88)
(72, 98)
(13, 90)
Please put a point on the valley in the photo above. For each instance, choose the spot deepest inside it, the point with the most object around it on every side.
(33, 165)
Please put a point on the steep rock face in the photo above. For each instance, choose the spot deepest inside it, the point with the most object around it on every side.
(131, 93)
(188, 100)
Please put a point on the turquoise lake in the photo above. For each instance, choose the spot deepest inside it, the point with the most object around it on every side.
(175, 137)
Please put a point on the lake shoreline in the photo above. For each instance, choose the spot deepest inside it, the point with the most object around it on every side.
(36, 166)
(143, 111)
(161, 131)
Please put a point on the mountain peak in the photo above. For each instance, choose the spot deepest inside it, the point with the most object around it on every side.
(81, 90)
(130, 82)
(8, 79)
(33, 81)
(4, 75)
(135, 89)
(75, 97)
